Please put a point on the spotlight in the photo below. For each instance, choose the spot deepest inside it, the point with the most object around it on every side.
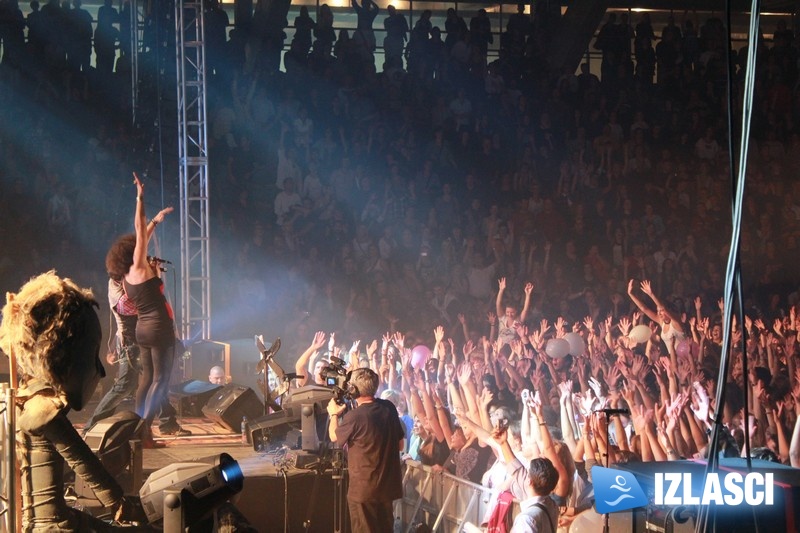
(184, 494)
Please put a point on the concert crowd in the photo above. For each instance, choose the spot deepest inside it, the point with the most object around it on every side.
(489, 234)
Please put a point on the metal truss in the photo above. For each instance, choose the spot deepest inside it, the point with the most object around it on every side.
(193, 171)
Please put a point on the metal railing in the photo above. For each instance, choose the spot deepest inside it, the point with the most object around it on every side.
(443, 501)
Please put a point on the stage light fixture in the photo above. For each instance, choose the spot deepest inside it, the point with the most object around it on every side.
(184, 494)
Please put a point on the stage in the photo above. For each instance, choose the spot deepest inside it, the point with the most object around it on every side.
(268, 477)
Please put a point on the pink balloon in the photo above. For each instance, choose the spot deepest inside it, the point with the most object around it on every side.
(695, 349)
(683, 348)
(420, 355)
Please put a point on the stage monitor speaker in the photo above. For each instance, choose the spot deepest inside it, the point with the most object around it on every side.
(190, 396)
(232, 402)
(109, 439)
(275, 429)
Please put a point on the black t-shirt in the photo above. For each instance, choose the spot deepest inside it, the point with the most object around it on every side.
(372, 433)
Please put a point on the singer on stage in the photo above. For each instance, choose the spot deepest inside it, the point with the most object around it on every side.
(155, 329)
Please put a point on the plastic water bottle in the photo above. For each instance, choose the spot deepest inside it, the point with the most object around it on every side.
(245, 440)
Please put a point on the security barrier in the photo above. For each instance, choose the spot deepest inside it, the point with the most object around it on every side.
(442, 501)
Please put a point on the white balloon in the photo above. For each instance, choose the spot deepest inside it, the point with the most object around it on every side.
(587, 522)
(640, 334)
(557, 348)
(576, 343)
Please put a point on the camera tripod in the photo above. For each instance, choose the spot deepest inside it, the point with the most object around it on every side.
(332, 459)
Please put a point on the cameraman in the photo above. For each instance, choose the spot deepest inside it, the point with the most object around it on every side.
(373, 436)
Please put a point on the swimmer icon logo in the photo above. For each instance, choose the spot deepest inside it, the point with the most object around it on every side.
(616, 490)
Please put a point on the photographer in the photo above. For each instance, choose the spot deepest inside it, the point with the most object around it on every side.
(373, 436)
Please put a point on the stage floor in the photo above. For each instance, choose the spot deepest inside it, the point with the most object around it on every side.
(207, 439)
(271, 496)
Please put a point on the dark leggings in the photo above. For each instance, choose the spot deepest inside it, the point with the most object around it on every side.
(156, 364)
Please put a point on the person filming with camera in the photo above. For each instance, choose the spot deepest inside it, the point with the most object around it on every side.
(372, 436)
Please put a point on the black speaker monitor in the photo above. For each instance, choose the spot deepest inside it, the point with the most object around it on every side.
(109, 439)
(232, 402)
(191, 396)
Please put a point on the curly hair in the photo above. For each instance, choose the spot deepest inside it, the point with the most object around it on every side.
(40, 324)
(120, 256)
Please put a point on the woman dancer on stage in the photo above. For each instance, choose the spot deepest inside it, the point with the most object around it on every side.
(155, 328)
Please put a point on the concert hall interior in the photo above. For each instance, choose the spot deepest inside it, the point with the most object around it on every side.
(553, 240)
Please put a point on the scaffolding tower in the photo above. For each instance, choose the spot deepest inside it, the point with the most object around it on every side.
(193, 171)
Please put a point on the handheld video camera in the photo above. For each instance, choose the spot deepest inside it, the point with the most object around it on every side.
(336, 377)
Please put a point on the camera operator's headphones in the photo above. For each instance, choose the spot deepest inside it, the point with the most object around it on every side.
(352, 390)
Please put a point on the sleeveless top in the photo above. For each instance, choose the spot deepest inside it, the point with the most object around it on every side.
(155, 325)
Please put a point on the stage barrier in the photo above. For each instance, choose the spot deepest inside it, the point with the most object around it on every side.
(442, 501)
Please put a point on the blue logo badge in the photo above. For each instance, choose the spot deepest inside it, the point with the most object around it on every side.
(616, 490)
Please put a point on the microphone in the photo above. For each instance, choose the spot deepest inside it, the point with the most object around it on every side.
(154, 259)
(610, 412)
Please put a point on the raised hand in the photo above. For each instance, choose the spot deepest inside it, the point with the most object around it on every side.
(624, 326)
(491, 318)
(796, 387)
(331, 342)
(486, 397)
(372, 348)
(159, 218)
(596, 387)
(565, 389)
(319, 340)
(354, 348)
(516, 347)
(536, 340)
(587, 401)
(438, 334)
(139, 185)
(588, 323)
(560, 324)
(700, 405)
(468, 347)
(449, 373)
(628, 395)
(528, 289)
(544, 327)
(501, 284)
(645, 285)
(464, 373)
(399, 340)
